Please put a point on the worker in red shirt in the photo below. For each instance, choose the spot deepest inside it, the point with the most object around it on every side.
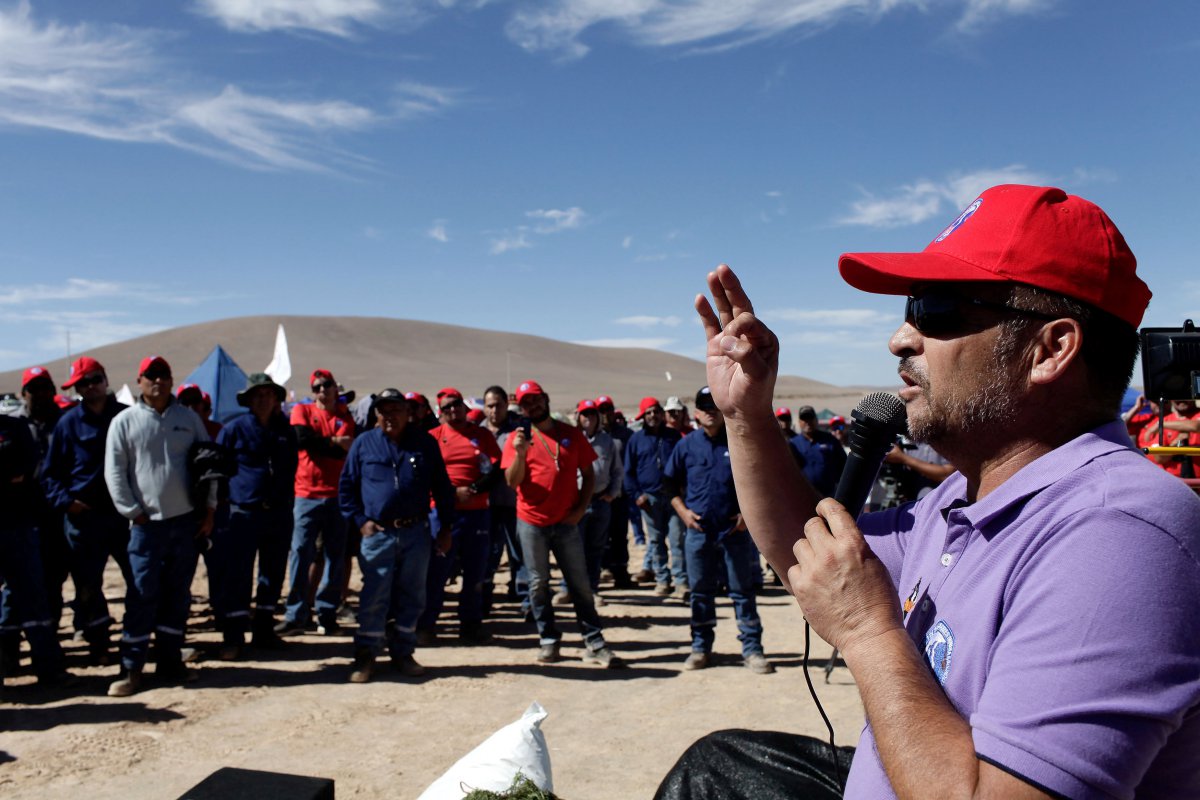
(549, 463)
(473, 462)
(324, 432)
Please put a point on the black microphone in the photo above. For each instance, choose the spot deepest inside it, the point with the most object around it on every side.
(878, 420)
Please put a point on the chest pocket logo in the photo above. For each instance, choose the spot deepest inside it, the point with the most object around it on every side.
(939, 649)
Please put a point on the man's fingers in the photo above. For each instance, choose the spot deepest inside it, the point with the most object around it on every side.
(732, 290)
(840, 522)
(720, 299)
(712, 326)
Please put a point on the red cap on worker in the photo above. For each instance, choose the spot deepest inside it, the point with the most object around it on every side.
(645, 405)
(84, 365)
(320, 374)
(150, 362)
(586, 405)
(1036, 235)
(783, 411)
(35, 373)
(528, 388)
(450, 392)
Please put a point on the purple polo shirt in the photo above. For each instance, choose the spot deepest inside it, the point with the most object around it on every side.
(1061, 615)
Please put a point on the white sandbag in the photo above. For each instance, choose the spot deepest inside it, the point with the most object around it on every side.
(517, 747)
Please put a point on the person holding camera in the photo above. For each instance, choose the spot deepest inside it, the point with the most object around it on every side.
(549, 463)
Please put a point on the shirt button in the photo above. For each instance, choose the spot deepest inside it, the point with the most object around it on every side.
(925, 604)
(947, 559)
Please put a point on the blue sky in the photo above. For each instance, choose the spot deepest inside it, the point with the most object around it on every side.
(564, 168)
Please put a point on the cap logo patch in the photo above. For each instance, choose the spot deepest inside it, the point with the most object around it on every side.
(963, 217)
(524, 387)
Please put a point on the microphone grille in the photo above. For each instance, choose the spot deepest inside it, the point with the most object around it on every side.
(883, 407)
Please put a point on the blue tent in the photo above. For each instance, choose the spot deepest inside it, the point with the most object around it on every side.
(222, 378)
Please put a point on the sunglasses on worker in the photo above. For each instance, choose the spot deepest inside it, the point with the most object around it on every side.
(941, 312)
(91, 380)
(321, 386)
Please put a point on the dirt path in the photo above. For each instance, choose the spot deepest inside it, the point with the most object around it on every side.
(612, 734)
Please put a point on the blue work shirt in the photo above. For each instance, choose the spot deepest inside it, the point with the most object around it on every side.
(385, 480)
(266, 455)
(822, 460)
(700, 465)
(74, 465)
(18, 460)
(646, 456)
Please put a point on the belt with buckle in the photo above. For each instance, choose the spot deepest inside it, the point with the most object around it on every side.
(402, 522)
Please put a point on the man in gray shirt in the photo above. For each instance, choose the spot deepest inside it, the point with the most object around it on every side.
(146, 468)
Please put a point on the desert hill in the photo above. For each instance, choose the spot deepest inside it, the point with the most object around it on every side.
(369, 353)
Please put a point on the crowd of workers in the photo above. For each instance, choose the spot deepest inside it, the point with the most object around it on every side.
(418, 493)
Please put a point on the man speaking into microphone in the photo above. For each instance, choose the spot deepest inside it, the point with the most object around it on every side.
(1029, 628)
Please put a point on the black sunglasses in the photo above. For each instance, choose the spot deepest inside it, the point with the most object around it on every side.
(937, 312)
(156, 375)
(452, 405)
(320, 387)
(93, 380)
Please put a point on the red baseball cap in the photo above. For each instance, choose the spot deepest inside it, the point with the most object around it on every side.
(475, 416)
(35, 373)
(84, 365)
(450, 392)
(194, 394)
(604, 400)
(64, 403)
(586, 405)
(527, 388)
(645, 405)
(150, 362)
(837, 420)
(323, 374)
(783, 411)
(416, 397)
(1035, 235)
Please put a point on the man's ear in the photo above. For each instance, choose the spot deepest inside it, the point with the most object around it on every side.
(1055, 348)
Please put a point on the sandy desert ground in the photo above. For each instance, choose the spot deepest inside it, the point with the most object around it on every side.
(612, 734)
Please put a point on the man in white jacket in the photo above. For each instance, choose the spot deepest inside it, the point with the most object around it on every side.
(146, 469)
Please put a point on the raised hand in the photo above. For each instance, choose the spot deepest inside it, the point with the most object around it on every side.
(742, 359)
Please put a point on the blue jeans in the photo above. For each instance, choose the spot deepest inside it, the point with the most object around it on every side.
(21, 570)
(92, 537)
(664, 533)
(249, 532)
(594, 530)
(162, 558)
(705, 553)
(313, 518)
(567, 545)
(633, 516)
(394, 563)
(504, 537)
(471, 544)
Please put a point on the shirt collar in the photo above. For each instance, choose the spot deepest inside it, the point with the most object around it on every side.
(1046, 470)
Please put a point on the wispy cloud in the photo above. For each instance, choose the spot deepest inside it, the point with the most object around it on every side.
(112, 82)
(926, 198)
(648, 343)
(626, 242)
(547, 221)
(333, 17)
(77, 289)
(649, 321)
(90, 313)
(518, 241)
(719, 24)
(438, 231)
(554, 220)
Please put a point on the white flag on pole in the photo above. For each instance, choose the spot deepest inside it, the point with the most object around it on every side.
(125, 395)
(280, 368)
